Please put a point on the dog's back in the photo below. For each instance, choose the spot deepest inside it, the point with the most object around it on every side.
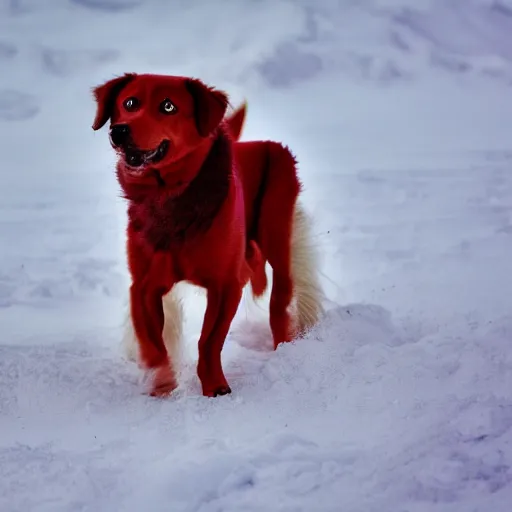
(261, 164)
(251, 161)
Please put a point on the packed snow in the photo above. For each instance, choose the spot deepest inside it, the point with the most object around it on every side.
(400, 115)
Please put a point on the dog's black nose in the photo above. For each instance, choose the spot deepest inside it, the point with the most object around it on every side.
(119, 134)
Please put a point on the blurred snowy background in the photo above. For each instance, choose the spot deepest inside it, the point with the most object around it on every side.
(400, 114)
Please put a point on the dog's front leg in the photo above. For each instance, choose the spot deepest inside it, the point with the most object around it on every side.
(221, 307)
(148, 320)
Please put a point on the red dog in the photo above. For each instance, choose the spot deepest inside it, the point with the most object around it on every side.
(207, 209)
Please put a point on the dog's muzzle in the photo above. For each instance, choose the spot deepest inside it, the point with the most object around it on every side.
(119, 134)
(120, 137)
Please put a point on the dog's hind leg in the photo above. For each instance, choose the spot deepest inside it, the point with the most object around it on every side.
(275, 225)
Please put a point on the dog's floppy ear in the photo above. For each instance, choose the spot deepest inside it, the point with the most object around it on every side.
(106, 95)
(209, 105)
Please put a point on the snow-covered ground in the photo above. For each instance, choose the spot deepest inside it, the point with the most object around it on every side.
(400, 113)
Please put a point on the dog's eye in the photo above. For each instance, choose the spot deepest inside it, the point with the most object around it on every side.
(131, 104)
(168, 107)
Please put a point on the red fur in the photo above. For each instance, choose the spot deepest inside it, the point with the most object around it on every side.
(212, 212)
(106, 96)
(236, 120)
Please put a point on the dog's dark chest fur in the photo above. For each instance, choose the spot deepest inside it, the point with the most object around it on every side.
(165, 221)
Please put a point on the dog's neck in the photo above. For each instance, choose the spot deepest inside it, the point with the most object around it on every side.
(163, 217)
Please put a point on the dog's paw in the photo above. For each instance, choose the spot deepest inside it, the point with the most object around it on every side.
(161, 381)
(216, 388)
(213, 381)
(223, 390)
(218, 391)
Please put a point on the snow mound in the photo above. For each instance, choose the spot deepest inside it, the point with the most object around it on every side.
(357, 410)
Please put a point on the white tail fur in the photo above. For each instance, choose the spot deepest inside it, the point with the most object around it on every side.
(308, 294)
(172, 331)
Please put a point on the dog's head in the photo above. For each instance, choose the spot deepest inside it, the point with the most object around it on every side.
(156, 120)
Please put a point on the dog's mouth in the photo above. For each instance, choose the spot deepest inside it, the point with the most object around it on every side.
(137, 158)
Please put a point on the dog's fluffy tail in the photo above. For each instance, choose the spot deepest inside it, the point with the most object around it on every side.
(173, 323)
(172, 331)
(308, 293)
